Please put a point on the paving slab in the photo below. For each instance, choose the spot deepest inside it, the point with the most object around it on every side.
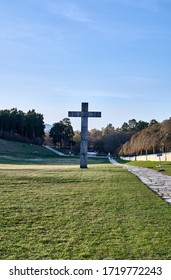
(157, 182)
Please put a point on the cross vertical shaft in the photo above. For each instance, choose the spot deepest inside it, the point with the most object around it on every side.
(84, 114)
(84, 136)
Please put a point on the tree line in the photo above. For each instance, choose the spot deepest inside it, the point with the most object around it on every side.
(135, 126)
(106, 140)
(20, 126)
(134, 137)
(153, 139)
(111, 140)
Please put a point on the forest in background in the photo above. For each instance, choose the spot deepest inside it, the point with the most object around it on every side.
(132, 138)
(153, 139)
(20, 126)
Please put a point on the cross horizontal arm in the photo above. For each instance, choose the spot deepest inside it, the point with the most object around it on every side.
(74, 114)
(94, 114)
(84, 114)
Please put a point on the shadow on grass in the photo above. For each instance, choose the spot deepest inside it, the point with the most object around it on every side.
(46, 160)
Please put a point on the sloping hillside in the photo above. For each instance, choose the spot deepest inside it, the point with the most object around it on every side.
(13, 147)
(19, 152)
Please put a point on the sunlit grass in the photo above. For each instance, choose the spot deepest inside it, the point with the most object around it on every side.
(12, 152)
(163, 167)
(64, 212)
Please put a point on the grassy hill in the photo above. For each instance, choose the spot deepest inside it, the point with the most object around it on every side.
(9, 147)
(19, 152)
(12, 152)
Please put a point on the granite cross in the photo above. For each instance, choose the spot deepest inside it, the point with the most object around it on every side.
(84, 114)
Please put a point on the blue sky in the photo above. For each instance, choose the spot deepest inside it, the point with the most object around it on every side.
(114, 54)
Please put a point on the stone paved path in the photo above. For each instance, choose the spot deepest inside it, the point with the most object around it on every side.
(159, 183)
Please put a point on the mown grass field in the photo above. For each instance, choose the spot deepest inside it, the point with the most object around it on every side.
(63, 212)
(52, 209)
(164, 167)
(12, 152)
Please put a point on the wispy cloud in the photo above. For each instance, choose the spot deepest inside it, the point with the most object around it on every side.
(21, 33)
(123, 88)
(97, 93)
(68, 10)
(139, 79)
(150, 5)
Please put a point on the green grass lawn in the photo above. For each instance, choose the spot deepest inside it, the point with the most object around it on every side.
(163, 167)
(64, 212)
(12, 152)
